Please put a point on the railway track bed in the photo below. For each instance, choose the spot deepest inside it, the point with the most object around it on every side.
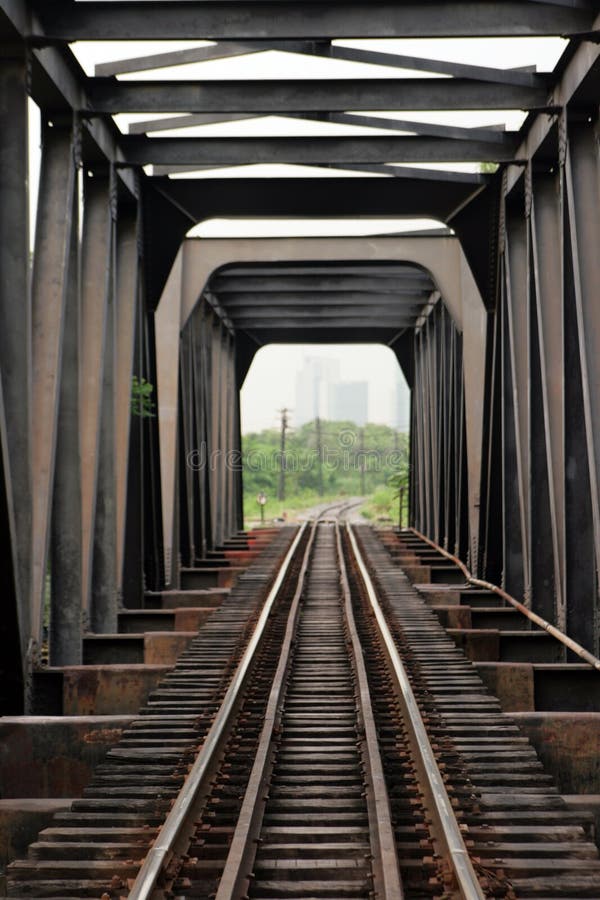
(344, 748)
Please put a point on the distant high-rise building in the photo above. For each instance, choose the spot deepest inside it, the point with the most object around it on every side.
(313, 387)
(349, 402)
(400, 404)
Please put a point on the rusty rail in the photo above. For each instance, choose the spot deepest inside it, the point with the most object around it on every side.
(533, 617)
(248, 825)
(233, 883)
(180, 818)
(388, 883)
(447, 829)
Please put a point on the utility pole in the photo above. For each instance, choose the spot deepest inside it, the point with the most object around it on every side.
(362, 461)
(319, 457)
(284, 426)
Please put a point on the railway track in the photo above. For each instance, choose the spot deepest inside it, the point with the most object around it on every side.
(331, 743)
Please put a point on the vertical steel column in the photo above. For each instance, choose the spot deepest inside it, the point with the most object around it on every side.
(199, 435)
(12, 652)
(237, 444)
(540, 529)
(517, 335)
(105, 601)
(442, 403)
(65, 647)
(432, 409)
(512, 550)
(96, 285)
(412, 454)
(418, 429)
(582, 276)
(50, 284)
(476, 343)
(152, 500)
(215, 408)
(132, 584)
(223, 360)
(490, 542)
(227, 457)
(548, 518)
(127, 264)
(208, 393)
(580, 578)
(15, 333)
(188, 537)
(449, 454)
(466, 537)
(226, 401)
(167, 364)
(233, 444)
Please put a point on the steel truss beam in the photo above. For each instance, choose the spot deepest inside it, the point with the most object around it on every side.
(323, 49)
(316, 314)
(258, 325)
(331, 287)
(494, 135)
(221, 50)
(315, 303)
(233, 20)
(295, 95)
(302, 151)
(407, 196)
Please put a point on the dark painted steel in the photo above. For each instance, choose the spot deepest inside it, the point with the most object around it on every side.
(122, 21)
(333, 95)
(15, 347)
(301, 150)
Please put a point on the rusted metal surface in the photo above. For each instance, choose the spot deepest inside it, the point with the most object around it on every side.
(522, 838)
(564, 639)
(50, 757)
(511, 683)
(313, 786)
(20, 822)
(447, 830)
(568, 745)
(163, 649)
(105, 690)
(100, 842)
(240, 859)
(177, 827)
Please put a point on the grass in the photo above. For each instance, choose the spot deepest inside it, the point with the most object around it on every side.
(382, 507)
(290, 508)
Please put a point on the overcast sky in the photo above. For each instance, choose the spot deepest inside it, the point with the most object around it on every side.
(271, 381)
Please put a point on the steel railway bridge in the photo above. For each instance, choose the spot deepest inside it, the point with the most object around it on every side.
(495, 324)
(107, 532)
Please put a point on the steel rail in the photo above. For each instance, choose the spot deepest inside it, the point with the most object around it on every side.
(343, 509)
(388, 883)
(447, 832)
(238, 863)
(178, 819)
(555, 632)
(233, 883)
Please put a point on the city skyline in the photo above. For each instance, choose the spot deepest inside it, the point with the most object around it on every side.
(271, 383)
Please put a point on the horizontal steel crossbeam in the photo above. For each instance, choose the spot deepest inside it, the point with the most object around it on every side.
(239, 20)
(295, 95)
(314, 286)
(379, 149)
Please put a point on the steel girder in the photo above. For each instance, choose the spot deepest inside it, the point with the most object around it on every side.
(506, 458)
